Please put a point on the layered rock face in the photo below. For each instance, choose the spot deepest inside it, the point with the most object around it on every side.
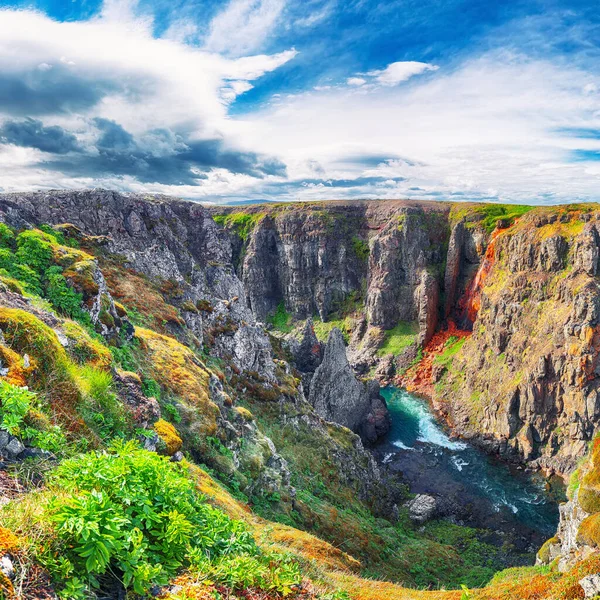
(315, 259)
(525, 283)
(526, 381)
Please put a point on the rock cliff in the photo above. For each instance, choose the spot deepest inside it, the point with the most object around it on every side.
(518, 285)
(339, 396)
(168, 264)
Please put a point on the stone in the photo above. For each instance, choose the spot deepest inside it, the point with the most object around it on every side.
(591, 585)
(7, 567)
(13, 448)
(421, 508)
(177, 457)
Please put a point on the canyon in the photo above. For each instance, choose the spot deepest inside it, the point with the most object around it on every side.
(515, 288)
(257, 341)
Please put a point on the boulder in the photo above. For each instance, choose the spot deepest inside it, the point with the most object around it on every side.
(421, 508)
(591, 585)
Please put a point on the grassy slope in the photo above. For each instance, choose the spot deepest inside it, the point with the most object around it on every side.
(332, 509)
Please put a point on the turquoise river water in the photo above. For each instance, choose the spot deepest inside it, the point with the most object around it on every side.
(472, 487)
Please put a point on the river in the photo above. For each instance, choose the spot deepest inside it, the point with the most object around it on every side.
(471, 487)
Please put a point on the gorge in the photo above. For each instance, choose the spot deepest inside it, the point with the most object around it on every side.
(255, 339)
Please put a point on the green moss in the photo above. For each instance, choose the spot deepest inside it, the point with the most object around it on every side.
(399, 338)
(360, 247)
(544, 552)
(589, 531)
(241, 222)
(281, 320)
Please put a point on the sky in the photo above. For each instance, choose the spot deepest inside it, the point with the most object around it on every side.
(228, 101)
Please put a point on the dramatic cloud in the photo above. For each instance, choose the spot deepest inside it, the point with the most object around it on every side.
(161, 156)
(496, 104)
(32, 134)
(117, 102)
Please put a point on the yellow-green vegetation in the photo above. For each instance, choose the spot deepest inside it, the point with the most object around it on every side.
(399, 338)
(544, 552)
(451, 349)
(169, 436)
(323, 328)
(241, 222)
(589, 477)
(487, 215)
(85, 348)
(180, 372)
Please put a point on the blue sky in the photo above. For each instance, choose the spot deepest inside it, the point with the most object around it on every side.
(283, 100)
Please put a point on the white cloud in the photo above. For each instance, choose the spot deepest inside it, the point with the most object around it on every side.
(489, 127)
(243, 26)
(357, 81)
(397, 72)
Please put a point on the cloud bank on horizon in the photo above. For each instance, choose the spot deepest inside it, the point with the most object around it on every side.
(288, 100)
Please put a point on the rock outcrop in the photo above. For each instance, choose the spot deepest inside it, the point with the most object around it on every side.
(315, 261)
(339, 396)
(170, 258)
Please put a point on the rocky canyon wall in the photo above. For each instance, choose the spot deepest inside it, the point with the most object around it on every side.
(520, 285)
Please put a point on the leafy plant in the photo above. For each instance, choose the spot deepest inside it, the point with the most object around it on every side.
(34, 249)
(15, 403)
(132, 513)
(63, 297)
(7, 236)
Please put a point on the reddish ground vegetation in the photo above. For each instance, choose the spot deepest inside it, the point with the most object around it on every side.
(419, 378)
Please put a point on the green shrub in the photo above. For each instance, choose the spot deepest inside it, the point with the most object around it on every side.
(15, 403)
(360, 247)
(150, 388)
(281, 319)
(15, 406)
(133, 514)
(7, 236)
(63, 297)
(29, 277)
(34, 249)
(7, 259)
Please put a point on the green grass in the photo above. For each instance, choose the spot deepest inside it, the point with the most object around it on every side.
(399, 338)
(323, 328)
(281, 320)
(490, 214)
(452, 348)
(243, 223)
